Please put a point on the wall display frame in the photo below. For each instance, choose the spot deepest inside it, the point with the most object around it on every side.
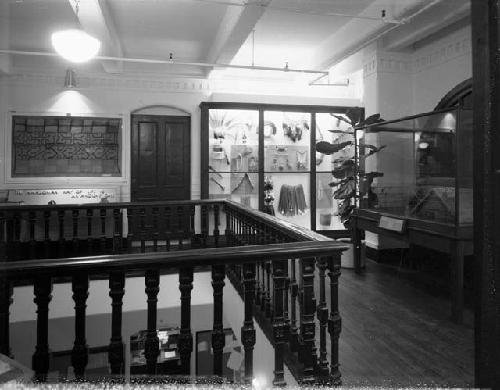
(244, 144)
(66, 146)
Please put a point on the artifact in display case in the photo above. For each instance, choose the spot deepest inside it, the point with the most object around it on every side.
(427, 165)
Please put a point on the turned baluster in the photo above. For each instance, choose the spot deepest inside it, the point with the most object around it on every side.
(168, 214)
(102, 216)
(204, 225)
(185, 345)
(40, 361)
(307, 324)
(278, 321)
(286, 293)
(189, 223)
(180, 223)
(227, 232)
(156, 233)
(130, 229)
(32, 244)
(322, 315)
(75, 242)
(268, 303)
(62, 242)
(6, 292)
(117, 231)
(334, 321)
(79, 354)
(3, 246)
(247, 330)
(17, 235)
(151, 348)
(46, 233)
(294, 333)
(116, 347)
(90, 215)
(142, 234)
(216, 225)
(257, 284)
(218, 337)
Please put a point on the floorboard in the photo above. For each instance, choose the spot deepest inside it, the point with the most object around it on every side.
(397, 334)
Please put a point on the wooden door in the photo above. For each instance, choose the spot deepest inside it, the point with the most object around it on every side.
(161, 159)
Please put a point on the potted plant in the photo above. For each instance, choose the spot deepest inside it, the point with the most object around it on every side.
(347, 171)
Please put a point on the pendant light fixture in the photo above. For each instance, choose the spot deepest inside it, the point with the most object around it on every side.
(75, 45)
(70, 79)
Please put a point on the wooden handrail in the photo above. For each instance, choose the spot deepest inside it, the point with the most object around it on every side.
(187, 258)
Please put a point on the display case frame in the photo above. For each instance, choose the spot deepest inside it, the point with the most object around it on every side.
(263, 108)
(453, 237)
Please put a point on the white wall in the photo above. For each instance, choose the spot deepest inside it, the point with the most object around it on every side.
(439, 66)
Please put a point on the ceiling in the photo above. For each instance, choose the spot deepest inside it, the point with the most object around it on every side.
(312, 34)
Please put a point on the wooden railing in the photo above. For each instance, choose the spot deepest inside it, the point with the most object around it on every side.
(270, 262)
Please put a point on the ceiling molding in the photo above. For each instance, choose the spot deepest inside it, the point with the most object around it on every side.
(95, 18)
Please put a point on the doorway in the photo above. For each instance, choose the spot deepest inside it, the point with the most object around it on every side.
(161, 161)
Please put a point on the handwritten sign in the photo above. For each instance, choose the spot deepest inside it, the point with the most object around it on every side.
(394, 224)
(64, 196)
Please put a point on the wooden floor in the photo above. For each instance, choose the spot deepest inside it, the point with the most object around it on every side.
(394, 333)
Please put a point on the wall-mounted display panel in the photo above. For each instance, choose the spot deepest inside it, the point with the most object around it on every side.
(245, 144)
(52, 146)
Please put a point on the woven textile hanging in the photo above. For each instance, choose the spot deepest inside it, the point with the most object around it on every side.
(292, 200)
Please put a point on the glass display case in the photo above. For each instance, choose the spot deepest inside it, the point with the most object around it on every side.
(422, 168)
(264, 156)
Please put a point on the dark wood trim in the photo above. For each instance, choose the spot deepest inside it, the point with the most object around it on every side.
(454, 97)
(486, 101)
(204, 153)
(312, 171)
(274, 107)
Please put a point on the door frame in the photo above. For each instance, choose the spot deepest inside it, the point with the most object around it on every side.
(187, 160)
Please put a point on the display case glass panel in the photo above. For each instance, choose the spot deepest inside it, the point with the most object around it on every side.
(287, 140)
(242, 187)
(426, 165)
(334, 129)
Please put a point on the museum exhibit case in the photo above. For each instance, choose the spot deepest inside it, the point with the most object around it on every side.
(264, 156)
(418, 187)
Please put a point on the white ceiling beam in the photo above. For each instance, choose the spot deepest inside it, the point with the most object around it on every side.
(237, 23)
(5, 59)
(95, 18)
(425, 24)
(342, 43)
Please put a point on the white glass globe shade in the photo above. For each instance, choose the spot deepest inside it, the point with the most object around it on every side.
(75, 45)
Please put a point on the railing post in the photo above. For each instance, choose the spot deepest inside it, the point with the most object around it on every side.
(247, 330)
(216, 225)
(40, 362)
(3, 247)
(168, 214)
(46, 233)
(204, 224)
(334, 321)
(130, 228)
(267, 298)
(322, 315)
(286, 293)
(79, 355)
(62, 242)
(151, 348)
(278, 321)
(117, 231)
(90, 214)
(185, 344)
(6, 292)
(218, 337)
(307, 325)
(294, 288)
(116, 346)
(156, 213)
(32, 244)
(75, 214)
(17, 235)
(142, 234)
